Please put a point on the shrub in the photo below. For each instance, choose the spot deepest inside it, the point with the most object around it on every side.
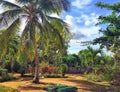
(49, 70)
(44, 70)
(7, 65)
(108, 73)
(63, 69)
(23, 68)
(4, 76)
(116, 76)
(16, 66)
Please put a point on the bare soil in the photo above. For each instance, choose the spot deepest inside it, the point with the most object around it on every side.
(24, 84)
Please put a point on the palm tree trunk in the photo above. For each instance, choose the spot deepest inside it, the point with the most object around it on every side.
(36, 75)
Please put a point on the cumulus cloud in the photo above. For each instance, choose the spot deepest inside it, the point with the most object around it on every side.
(74, 29)
(81, 3)
(91, 19)
(83, 32)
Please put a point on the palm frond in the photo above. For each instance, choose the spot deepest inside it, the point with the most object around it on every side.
(65, 5)
(59, 24)
(8, 16)
(8, 4)
(12, 30)
(24, 1)
(48, 7)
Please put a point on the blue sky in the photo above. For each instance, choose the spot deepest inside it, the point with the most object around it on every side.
(82, 19)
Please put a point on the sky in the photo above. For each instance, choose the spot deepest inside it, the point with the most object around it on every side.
(82, 18)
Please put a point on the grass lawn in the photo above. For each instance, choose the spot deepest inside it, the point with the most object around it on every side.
(7, 89)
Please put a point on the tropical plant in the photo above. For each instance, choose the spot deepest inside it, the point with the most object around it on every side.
(4, 76)
(72, 60)
(63, 69)
(39, 25)
(93, 53)
(111, 32)
(89, 56)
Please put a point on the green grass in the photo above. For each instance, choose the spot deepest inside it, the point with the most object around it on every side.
(7, 89)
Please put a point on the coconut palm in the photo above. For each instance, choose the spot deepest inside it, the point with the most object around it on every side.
(39, 25)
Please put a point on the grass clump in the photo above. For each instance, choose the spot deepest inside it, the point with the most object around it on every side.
(7, 89)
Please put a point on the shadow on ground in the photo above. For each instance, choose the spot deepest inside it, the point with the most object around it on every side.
(88, 86)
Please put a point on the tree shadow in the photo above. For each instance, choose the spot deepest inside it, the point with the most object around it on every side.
(87, 86)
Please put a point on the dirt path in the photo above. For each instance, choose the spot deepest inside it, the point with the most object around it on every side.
(73, 80)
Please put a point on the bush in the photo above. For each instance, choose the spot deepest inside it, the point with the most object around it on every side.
(116, 76)
(49, 70)
(108, 73)
(7, 65)
(23, 68)
(4, 76)
(16, 66)
(63, 69)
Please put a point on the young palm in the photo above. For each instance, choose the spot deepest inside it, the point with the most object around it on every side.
(39, 25)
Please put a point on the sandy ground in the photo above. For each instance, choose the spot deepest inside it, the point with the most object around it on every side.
(73, 80)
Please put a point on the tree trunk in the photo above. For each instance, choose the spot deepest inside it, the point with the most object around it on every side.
(115, 58)
(36, 75)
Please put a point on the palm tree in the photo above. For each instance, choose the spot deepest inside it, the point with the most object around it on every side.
(39, 25)
(93, 54)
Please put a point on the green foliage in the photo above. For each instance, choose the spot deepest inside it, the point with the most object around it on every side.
(90, 57)
(4, 76)
(110, 38)
(114, 7)
(63, 69)
(72, 60)
(105, 73)
(39, 27)
(23, 68)
(16, 66)
(7, 89)
(7, 65)
(98, 78)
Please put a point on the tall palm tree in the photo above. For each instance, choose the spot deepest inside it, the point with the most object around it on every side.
(93, 54)
(39, 25)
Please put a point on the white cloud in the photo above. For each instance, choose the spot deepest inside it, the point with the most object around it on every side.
(80, 31)
(90, 19)
(74, 29)
(81, 3)
(84, 29)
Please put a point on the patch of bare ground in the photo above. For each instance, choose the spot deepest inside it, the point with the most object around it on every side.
(24, 84)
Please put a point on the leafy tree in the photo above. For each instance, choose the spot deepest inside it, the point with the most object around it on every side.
(72, 60)
(84, 56)
(39, 25)
(63, 69)
(8, 51)
(111, 32)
